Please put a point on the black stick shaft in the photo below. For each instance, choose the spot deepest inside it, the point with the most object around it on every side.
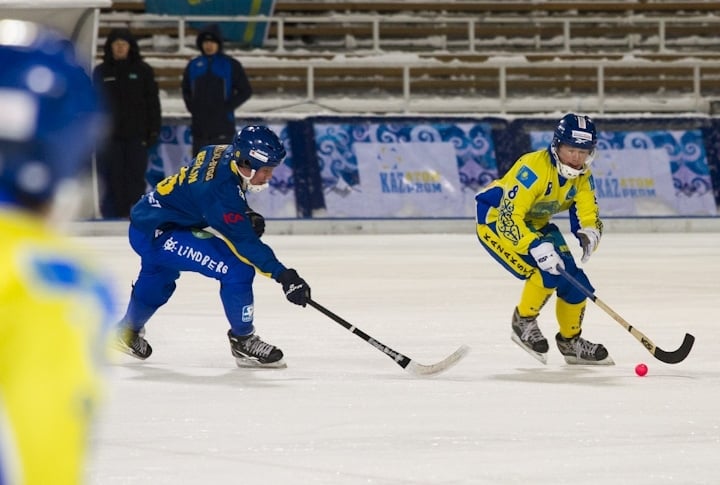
(399, 358)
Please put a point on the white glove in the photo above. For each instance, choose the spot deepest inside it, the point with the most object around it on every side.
(589, 240)
(547, 258)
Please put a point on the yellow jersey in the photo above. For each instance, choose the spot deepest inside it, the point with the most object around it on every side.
(524, 200)
(53, 313)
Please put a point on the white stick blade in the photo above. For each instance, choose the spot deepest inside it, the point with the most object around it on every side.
(432, 369)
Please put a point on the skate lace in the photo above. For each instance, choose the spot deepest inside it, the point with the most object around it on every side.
(138, 344)
(255, 346)
(531, 332)
(584, 348)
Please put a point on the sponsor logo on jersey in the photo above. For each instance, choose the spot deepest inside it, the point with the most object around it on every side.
(232, 218)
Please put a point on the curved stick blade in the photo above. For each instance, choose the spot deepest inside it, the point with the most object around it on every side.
(432, 369)
(677, 355)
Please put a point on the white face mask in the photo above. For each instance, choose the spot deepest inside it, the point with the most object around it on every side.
(252, 187)
(569, 172)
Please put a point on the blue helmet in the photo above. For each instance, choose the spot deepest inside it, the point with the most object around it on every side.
(257, 147)
(50, 117)
(577, 131)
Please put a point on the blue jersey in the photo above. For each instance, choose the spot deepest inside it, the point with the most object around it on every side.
(207, 193)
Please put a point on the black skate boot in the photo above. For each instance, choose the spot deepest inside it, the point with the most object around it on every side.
(527, 335)
(579, 351)
(133, 343)
(252, 351)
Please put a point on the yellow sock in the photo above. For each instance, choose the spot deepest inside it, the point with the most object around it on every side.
(570, 317)
(533, 298)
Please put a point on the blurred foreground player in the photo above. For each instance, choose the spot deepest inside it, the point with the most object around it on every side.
(513, 224)
(52, 304)
(167, 232)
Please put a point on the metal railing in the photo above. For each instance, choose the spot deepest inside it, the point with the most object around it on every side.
(571, 31)
(684, 81)
(503, 85)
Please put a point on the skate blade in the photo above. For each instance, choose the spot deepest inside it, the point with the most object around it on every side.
(572, 360)
(245, 363)
(540, 357)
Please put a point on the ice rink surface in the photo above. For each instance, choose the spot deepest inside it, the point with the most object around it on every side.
(344, 413)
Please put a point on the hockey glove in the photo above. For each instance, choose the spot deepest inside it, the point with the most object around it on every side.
(295, 288)
(589, 240)
(547, 258)
(257, 221)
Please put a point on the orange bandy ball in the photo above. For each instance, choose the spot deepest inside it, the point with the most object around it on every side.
(641, 370)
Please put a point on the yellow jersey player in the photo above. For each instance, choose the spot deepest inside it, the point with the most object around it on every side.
(513, 224)
(52, 304)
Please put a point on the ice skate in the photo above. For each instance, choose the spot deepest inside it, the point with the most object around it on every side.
(527, 335)
(133, 343)
(578, 351)
(252, 351)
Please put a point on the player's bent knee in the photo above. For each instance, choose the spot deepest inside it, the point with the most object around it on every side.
(568, 292)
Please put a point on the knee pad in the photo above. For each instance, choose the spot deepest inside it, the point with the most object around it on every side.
(155, 290)
(238, 274)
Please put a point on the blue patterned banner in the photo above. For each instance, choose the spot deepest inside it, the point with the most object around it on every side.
(470, 151)
(631, 172)
(403, 167)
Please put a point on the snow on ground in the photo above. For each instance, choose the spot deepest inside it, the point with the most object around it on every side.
(343, 413)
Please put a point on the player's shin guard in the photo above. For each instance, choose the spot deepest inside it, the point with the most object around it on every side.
(574, 348)
(570, 317)
(533, 298)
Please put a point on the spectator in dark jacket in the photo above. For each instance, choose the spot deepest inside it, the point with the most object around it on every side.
(214, 85)
(133, 100)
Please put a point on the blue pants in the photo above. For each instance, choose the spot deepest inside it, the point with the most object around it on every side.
(177, 250)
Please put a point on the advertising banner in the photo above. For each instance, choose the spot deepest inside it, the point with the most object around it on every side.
(404, 180)
(649, 173)
(408, 167)
(403, 168)
(633, 182)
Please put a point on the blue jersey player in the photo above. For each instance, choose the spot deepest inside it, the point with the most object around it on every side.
(168, 231)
